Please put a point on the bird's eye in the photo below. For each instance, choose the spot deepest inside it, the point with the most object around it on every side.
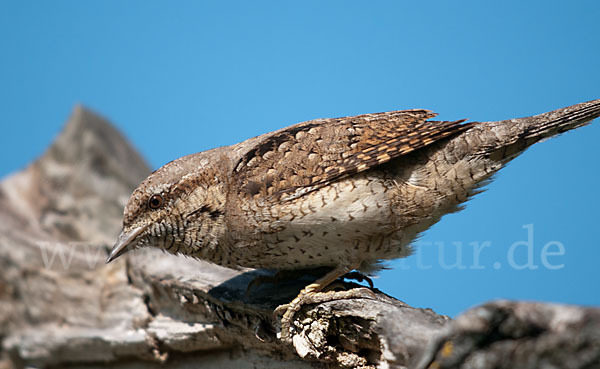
(155, 202)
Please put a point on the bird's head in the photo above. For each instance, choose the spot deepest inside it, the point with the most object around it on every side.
(179, 208)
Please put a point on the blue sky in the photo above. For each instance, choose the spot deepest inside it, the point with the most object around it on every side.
(183, 77)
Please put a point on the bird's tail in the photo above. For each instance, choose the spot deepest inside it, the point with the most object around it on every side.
(501, 141)
(475, 155)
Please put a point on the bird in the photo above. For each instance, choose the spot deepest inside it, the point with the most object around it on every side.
(343, 193)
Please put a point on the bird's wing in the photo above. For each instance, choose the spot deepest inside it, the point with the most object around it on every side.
(301, 158)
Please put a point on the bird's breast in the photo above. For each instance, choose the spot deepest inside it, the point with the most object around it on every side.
(351, 220)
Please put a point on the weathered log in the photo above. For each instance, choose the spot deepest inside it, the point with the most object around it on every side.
(506, 334)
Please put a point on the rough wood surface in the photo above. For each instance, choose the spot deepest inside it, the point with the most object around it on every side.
(507, 334)
(61, 306)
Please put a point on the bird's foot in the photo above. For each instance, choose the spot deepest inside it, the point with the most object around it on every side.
(359, 277)
(309, 296)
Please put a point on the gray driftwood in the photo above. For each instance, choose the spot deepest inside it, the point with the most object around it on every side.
(61, 306)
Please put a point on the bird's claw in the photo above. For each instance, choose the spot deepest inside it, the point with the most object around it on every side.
(359, 277)
(289, 310)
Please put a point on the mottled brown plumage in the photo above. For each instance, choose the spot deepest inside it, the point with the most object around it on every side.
(309, 155)
(344, 193)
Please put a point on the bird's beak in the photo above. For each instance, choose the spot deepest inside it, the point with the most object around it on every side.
(125, 239)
